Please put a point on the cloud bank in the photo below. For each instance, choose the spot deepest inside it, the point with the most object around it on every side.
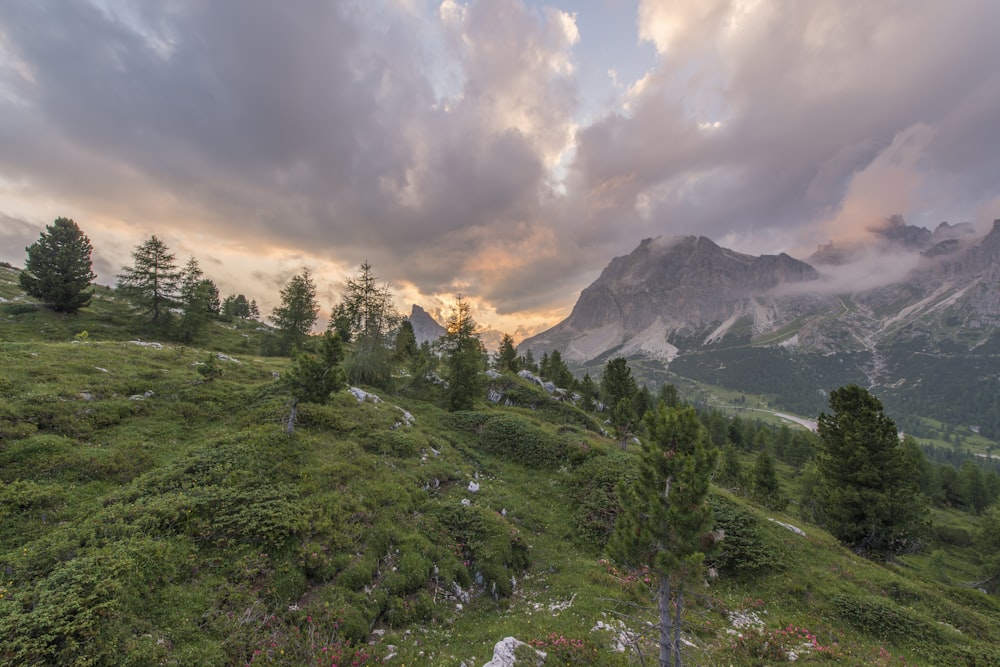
(443, 141)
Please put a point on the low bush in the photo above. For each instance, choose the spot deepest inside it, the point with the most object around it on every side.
(517, 439)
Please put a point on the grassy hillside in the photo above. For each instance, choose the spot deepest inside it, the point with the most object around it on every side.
(153, 514)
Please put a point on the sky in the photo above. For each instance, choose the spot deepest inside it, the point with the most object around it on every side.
(506, 150)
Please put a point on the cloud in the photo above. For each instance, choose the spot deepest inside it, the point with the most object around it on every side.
(444, 142)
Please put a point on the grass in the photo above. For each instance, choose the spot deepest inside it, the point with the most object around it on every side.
(151, 516)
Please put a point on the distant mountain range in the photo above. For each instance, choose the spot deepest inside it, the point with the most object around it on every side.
(911, 313)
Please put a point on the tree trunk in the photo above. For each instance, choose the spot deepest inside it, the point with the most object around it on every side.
(663, 599)
(290, 427)
(678, 606)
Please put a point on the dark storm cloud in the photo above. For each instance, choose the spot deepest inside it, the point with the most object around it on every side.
(437, 140)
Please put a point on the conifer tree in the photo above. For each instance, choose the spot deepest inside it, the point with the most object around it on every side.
(764, 485)
(153, 279)
(465, 357)
(617, 382)
(297, 313)
(868, 496)
(666, 520)
(58, 267)
(506, 358)
(196, 296)
(371, 317)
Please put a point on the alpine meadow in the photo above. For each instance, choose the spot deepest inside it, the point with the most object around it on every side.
(237, 493)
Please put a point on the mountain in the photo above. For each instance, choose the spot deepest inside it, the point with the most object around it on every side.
(912, 314)
(425, 327)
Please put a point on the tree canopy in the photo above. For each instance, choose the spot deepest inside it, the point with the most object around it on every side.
(465, 357)
(153, 279)
(297, 313)
(868, 498)
(58, 268)
(666, 517)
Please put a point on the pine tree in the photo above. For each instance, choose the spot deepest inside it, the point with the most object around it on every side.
(197, 296)
(666, 521)
(297, 313)
(153, 279)
(506, 358)
(764, 485)
(868, 497)
(465, 358)
(405, 347)
(58, 268)
(371, 318)
(617, 382)
(313, 378)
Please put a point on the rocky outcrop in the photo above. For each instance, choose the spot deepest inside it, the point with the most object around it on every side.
(425, 327)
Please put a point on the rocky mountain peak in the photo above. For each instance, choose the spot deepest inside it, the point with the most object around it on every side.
(425, 327)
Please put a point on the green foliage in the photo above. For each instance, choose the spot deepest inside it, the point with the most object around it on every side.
(491, 546)
(367, 317)
(594, 495)
(506, 356)
(296, 314)
(868, 496)
(988, 543)
(314, 377)
(58, 269)
(519, 440)
(151, 283)
(617, 382)
(883, 619)
(743, 552)
(666, 520)
(764, 485)
(465, 358)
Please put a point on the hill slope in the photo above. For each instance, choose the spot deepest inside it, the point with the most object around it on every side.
(155, 514)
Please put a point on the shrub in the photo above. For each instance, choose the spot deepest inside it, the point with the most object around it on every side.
(742, 552)
(881, 618)
(593, 491)
(519, 440)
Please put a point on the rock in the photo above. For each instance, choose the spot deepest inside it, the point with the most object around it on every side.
(86, 396)
(363, 395)
(466, 502)
(473, 487)
(492, 374)
(103, 370)
(155, 346)
(226, 357)
(503, 654)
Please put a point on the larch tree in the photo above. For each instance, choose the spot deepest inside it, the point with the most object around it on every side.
(368, 312)
(666, 522)
(58, 267)
(152, 281)
(313, 378)
(296, 314)
(465, 357)
(868, 495)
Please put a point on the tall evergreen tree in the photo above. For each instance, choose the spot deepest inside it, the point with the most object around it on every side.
(371, 318)
(868, 497)
(617, 382)
(764, 485)
(666, 521)
(465, 357)
(506, 358)
(153, 279)
(196, 297)
(58, 268)
(297, 313)
(405, 347)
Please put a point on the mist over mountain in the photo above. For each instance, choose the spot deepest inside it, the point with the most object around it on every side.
(909, 312)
